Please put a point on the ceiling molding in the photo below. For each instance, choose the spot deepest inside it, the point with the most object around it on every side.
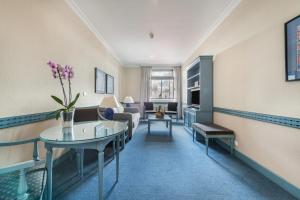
(226, 12)
(91, 27)
(128, 65)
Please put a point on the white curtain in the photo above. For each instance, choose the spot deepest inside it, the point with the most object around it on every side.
(145, 85)
(178, 87)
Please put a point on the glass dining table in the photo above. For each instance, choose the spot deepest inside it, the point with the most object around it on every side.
(85, 135)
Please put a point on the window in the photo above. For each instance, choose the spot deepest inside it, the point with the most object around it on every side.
(162, 84)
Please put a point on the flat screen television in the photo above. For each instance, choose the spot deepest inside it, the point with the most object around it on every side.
(195, 97)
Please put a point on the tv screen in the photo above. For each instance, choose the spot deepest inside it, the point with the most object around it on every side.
(195, 97)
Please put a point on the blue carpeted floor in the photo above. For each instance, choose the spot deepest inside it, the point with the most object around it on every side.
(155, 167)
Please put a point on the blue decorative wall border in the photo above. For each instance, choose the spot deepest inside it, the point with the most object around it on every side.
(273, 119)
(7, 122)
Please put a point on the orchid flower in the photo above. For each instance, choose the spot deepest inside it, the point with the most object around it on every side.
(63, 73)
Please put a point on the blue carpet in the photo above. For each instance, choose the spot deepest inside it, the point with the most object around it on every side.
(155, 167)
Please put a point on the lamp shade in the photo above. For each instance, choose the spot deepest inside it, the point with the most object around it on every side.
(128, 99)
(110, 102)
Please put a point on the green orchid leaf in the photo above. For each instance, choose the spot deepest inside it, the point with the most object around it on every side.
(58, 100)
(57, 116)
(73, 102)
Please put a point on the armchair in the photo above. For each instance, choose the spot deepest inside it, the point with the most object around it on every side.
(148, 109)
(172, 109)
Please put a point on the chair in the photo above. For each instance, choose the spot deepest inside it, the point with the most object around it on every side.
(21, 167)
(172, 109)
(148, 109)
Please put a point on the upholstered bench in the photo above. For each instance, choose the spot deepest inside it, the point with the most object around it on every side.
(210, 131)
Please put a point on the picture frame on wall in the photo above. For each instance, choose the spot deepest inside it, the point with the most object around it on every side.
(100, 81)
(109, 84)
(292, 49)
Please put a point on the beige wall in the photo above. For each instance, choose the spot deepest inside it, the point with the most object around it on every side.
(131, 82)
(31, 33)
(249, 75)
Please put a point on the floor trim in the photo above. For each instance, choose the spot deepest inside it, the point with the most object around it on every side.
(292, 189)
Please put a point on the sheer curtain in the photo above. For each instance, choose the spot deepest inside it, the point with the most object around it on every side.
(177, 71)
(145, 85)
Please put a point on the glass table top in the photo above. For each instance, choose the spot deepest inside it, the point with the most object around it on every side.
(153, 117)
(83, 131)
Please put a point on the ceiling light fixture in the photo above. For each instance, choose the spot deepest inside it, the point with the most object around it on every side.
(151, 35)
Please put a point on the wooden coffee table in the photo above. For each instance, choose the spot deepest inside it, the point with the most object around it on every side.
(166, 118)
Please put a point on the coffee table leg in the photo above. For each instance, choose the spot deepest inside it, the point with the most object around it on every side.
(170, 128)
(167, 124)
(148, 126)
(49, 165)
(100, 172)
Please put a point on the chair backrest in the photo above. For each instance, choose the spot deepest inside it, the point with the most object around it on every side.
(172, 106)
(148, 106)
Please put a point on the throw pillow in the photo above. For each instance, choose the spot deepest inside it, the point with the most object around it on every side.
(109, 113)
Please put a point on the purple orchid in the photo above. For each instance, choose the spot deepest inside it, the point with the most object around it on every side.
(69, 71)
(63, 73)
(53, 67)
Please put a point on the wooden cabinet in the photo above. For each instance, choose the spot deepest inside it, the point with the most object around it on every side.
(199, 92)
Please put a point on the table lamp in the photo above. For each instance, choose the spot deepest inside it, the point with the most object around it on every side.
(109, 103)
(128, 100)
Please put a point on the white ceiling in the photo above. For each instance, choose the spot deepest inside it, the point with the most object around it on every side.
(179, 26)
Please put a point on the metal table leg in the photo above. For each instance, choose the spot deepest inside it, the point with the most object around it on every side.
(79, 159)
(117, 158)
(100, 172)
(49, 166)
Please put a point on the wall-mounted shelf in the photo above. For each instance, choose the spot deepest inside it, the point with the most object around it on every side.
(194, 88)
(193, 76)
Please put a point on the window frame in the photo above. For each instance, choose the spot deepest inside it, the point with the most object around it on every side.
(161, 79)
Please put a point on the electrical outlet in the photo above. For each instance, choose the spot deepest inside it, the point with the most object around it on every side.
(236, 143)
(84, 94)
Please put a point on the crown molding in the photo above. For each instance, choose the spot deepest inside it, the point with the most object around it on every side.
(135, 65)
(226, 12)
(91, 27)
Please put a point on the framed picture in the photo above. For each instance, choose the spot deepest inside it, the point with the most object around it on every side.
(292, 49)
(100, 81)
(109, 84)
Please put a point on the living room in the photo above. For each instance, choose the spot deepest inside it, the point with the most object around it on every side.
(153, 99)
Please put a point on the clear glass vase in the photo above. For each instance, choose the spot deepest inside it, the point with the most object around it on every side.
(68, 118)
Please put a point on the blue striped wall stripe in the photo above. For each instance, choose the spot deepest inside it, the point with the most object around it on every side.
(274, 119)
(8, 122)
